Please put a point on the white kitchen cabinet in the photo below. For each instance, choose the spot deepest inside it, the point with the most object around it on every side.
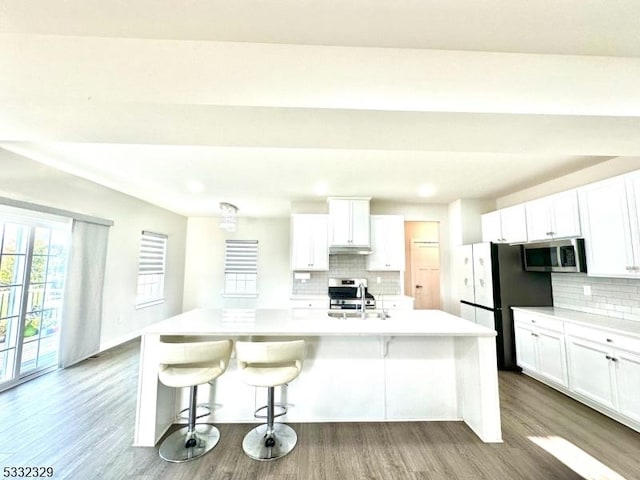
(464, 264)
(610, 226)
(597, 366)
(492, 227)
(590, 370)
(387, 243)
(309, 242)
(540, 347)
(605, 368)
(507, 225)
(525, 346)
(628, 383)
(349, 222)
(554, 216)
(394, 302)
(315, 303)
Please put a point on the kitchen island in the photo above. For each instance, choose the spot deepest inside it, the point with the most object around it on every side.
(417, 365)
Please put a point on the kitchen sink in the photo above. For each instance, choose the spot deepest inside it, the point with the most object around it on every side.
(351, 314)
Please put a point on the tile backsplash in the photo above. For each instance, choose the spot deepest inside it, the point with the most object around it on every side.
(613, 297)
(348, 266)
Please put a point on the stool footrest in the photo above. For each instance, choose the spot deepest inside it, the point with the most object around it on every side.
(204, 407)
(283, 411)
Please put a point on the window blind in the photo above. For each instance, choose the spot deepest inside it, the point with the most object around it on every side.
(153, 248)
(241, 256)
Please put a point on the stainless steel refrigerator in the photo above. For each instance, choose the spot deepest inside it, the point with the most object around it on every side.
(492, 280)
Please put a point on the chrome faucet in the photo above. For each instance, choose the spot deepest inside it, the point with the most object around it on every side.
(363, 300)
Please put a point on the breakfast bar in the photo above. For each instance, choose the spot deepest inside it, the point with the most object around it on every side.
(414, 365)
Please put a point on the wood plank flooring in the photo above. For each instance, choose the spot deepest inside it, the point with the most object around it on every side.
(80, 422)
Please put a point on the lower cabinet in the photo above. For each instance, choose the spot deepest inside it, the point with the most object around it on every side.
(540, 350)
(608, 376)
(628, 384)
(591, 371)
(599, 367)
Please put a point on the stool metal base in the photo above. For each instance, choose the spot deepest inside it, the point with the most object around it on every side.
(258, 445)
(174, 448)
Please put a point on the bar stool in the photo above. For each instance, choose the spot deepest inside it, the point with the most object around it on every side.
(270, 364)
(189, 364)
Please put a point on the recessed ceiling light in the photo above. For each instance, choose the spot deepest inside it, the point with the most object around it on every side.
(194, 186)
(321, 188)
(426, 190)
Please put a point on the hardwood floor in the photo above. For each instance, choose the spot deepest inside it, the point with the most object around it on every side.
(80, 422)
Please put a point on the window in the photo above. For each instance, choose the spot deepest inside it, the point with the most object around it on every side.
(151, 266)
(241, 268)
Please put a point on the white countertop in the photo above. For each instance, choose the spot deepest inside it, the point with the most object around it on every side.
(310, 322)
(613, 324)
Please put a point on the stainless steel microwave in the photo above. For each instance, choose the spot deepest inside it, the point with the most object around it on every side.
(555, 256)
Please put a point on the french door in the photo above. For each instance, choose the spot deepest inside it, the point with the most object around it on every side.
(33, 261)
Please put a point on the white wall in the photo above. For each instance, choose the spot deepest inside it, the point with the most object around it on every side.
(610, 168)
(26, 180)
(204, 269)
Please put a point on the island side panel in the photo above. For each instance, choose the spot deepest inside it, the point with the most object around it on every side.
(155, 410)
(420, 374)
(477, 378)
(342, 380)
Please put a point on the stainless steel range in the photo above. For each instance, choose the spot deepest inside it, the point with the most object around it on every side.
(346, 294)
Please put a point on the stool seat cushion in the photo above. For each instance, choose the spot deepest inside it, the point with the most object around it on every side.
(269, 376)
(268, 364)
(185, 364)
(179, 376)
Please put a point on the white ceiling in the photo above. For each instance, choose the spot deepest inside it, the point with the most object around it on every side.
(265, 102)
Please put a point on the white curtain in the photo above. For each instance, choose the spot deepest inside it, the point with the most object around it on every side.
(80, 333)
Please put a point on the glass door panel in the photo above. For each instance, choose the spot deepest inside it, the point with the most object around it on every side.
(32, 271)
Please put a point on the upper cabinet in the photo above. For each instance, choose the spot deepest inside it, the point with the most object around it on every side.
(349, 222)
(387, 243)
(507, 225)
(555, 216)
(309, 242)
(609, 216)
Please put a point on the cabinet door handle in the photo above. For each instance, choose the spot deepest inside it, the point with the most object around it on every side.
(534, 334)
(609, 340)
(533, 321)
(614, 359)
(608, 357)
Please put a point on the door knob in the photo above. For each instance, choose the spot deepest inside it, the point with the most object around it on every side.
(418, 286)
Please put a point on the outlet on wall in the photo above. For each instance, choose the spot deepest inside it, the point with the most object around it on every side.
(379, 279)
(586, 289)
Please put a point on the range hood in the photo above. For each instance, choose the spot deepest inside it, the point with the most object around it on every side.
(350, 250)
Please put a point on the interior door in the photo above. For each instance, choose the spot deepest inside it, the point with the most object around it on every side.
(425, 273)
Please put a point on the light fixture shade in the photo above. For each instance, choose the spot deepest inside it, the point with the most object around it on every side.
(229, 217)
